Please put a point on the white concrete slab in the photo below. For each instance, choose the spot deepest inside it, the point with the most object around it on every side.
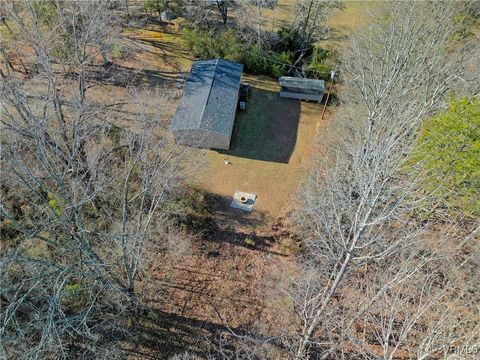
(246, 206)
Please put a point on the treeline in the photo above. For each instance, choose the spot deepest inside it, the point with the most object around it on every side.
(290, 50)
(84, 199)
(281, 57)
(389, 213)
(448, 148)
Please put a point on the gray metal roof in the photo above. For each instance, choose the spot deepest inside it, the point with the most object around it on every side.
(302, 83)
(210, 96)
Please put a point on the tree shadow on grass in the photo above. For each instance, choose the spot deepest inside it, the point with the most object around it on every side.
(236, 227)
(166, 41)
(159, 335)
(123, 76)
(154, 334)
(267, 129)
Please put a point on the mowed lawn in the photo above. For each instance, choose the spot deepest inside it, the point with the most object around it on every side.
(267, 129)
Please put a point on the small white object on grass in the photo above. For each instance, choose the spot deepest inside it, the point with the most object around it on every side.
(226, 162)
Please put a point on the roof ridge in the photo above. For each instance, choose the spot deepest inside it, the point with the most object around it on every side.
(209, 92)
(208, 95)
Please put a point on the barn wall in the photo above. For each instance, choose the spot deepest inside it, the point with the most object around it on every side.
(221, 141)
(201, 139)
(227, 138)
(301, 96)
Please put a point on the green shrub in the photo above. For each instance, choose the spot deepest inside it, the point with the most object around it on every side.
(254, 60)
(203, 45)
(467, 23)
(74, 297)
(319, 56)
(280, 64)
(45, 11)
(158, 6)
(229, 46)
(317, 67)
(197, 42)
(276, 61)
(319, 71)
(249, 241)
(54, 203)
(155, 6)
(74, 289)
(448, 149)
(290, 40)
(115, 50)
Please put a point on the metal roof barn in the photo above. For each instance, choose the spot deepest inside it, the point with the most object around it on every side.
(301, 88)
(206, 111)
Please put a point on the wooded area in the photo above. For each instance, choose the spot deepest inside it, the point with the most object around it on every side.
(377, 255)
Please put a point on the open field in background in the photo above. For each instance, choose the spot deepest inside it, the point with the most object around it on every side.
(345, 21)
(341, 22)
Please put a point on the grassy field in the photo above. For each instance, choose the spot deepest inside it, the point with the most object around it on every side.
(161, 45)
(266, 135)
(342, 21)
(346, 20)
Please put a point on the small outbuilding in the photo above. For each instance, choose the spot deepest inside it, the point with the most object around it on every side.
(302, 88)
(206, 111)
(167, 15)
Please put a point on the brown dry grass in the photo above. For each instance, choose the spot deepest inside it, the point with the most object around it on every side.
(161, 46)
(342, 22)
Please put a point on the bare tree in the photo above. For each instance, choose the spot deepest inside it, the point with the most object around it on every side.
(396, 74)
(412, 304)
(199, 14)
(222, 6)
(82, 197)
(310, 22)
(74, 37)
(251, 20)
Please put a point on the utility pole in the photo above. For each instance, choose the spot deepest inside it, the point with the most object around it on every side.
(332, 74)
